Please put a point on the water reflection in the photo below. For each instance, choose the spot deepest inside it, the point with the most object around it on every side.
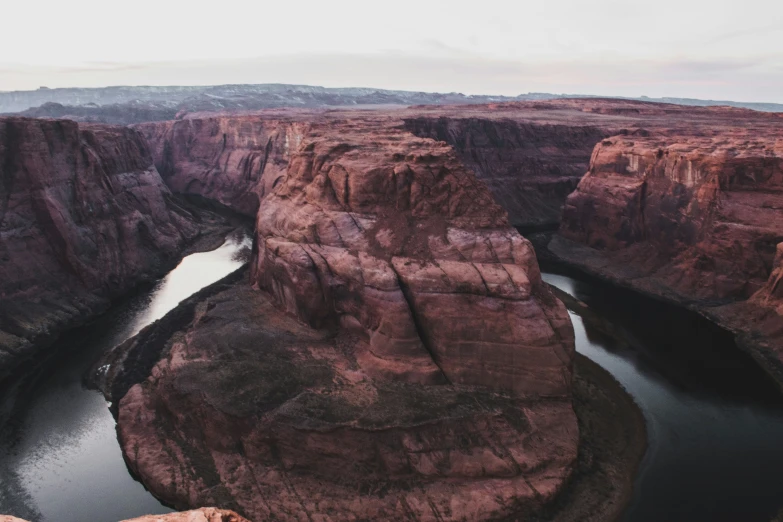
(715, 421)
(60, 457)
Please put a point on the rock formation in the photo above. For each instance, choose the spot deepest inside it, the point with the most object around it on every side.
(235, 161)
(531, 155)
(694, 218)
(391, 236)
(404, 361)
(529, 167)
(84, 217)
(197, 515)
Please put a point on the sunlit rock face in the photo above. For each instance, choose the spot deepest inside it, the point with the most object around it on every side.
(84, 217)
(391, 354)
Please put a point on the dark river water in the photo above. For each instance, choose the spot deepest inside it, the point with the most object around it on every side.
(715, 421)
(59, 456)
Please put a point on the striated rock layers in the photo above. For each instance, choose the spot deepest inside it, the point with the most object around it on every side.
(404, 361)
(530, 167)
(531, 155)
(696, 219)
(84, 217)
(235, 160)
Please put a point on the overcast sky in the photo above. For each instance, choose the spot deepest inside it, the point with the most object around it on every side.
(719, 49)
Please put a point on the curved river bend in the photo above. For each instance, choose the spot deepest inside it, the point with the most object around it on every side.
(715, 423)
(714, 419)
(60, 460)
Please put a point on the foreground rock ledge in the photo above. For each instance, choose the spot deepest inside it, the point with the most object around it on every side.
(197, 515)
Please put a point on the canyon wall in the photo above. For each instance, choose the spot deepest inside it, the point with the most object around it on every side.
(696, 219)
(84, 218)
(235, 161)
(412, 362)
(529, 167)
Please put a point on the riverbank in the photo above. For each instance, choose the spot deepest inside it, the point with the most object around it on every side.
(58, 443)
(613, 441)
(755, 330)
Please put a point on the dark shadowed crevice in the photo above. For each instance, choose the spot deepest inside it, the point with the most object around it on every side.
(417, 322)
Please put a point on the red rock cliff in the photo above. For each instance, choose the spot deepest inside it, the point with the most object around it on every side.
(697, 219)
(529, 167)
(235, 161)
(84, 217)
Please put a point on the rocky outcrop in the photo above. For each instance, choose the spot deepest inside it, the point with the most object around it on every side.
(695, 219)
(413, 365)
(84, 217)
(235, 161)
(298, 430)
(529, 167)
(391, 236)
(198, 515)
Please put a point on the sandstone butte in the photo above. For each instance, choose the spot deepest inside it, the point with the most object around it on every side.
(84, 218)
(198, 515)
(400, 357)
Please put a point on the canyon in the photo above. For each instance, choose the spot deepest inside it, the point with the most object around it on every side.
(409, 342)
(694, 219)
(413, 363)
(84, 218)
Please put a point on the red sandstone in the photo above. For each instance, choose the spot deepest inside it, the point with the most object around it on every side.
(84, 217)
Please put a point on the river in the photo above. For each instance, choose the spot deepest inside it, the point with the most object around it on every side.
(715, 421)
(60, 460)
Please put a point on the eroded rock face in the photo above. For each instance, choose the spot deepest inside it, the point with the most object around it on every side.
(697, 219)
(84, 217)
(253, 410)
(712, 210)
(390, 236)
(403, 360)
(529, 167)
(235, 161)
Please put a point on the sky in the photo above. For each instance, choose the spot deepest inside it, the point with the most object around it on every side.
(719, 49)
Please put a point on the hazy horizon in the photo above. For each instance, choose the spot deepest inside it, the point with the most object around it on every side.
(611, 48)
